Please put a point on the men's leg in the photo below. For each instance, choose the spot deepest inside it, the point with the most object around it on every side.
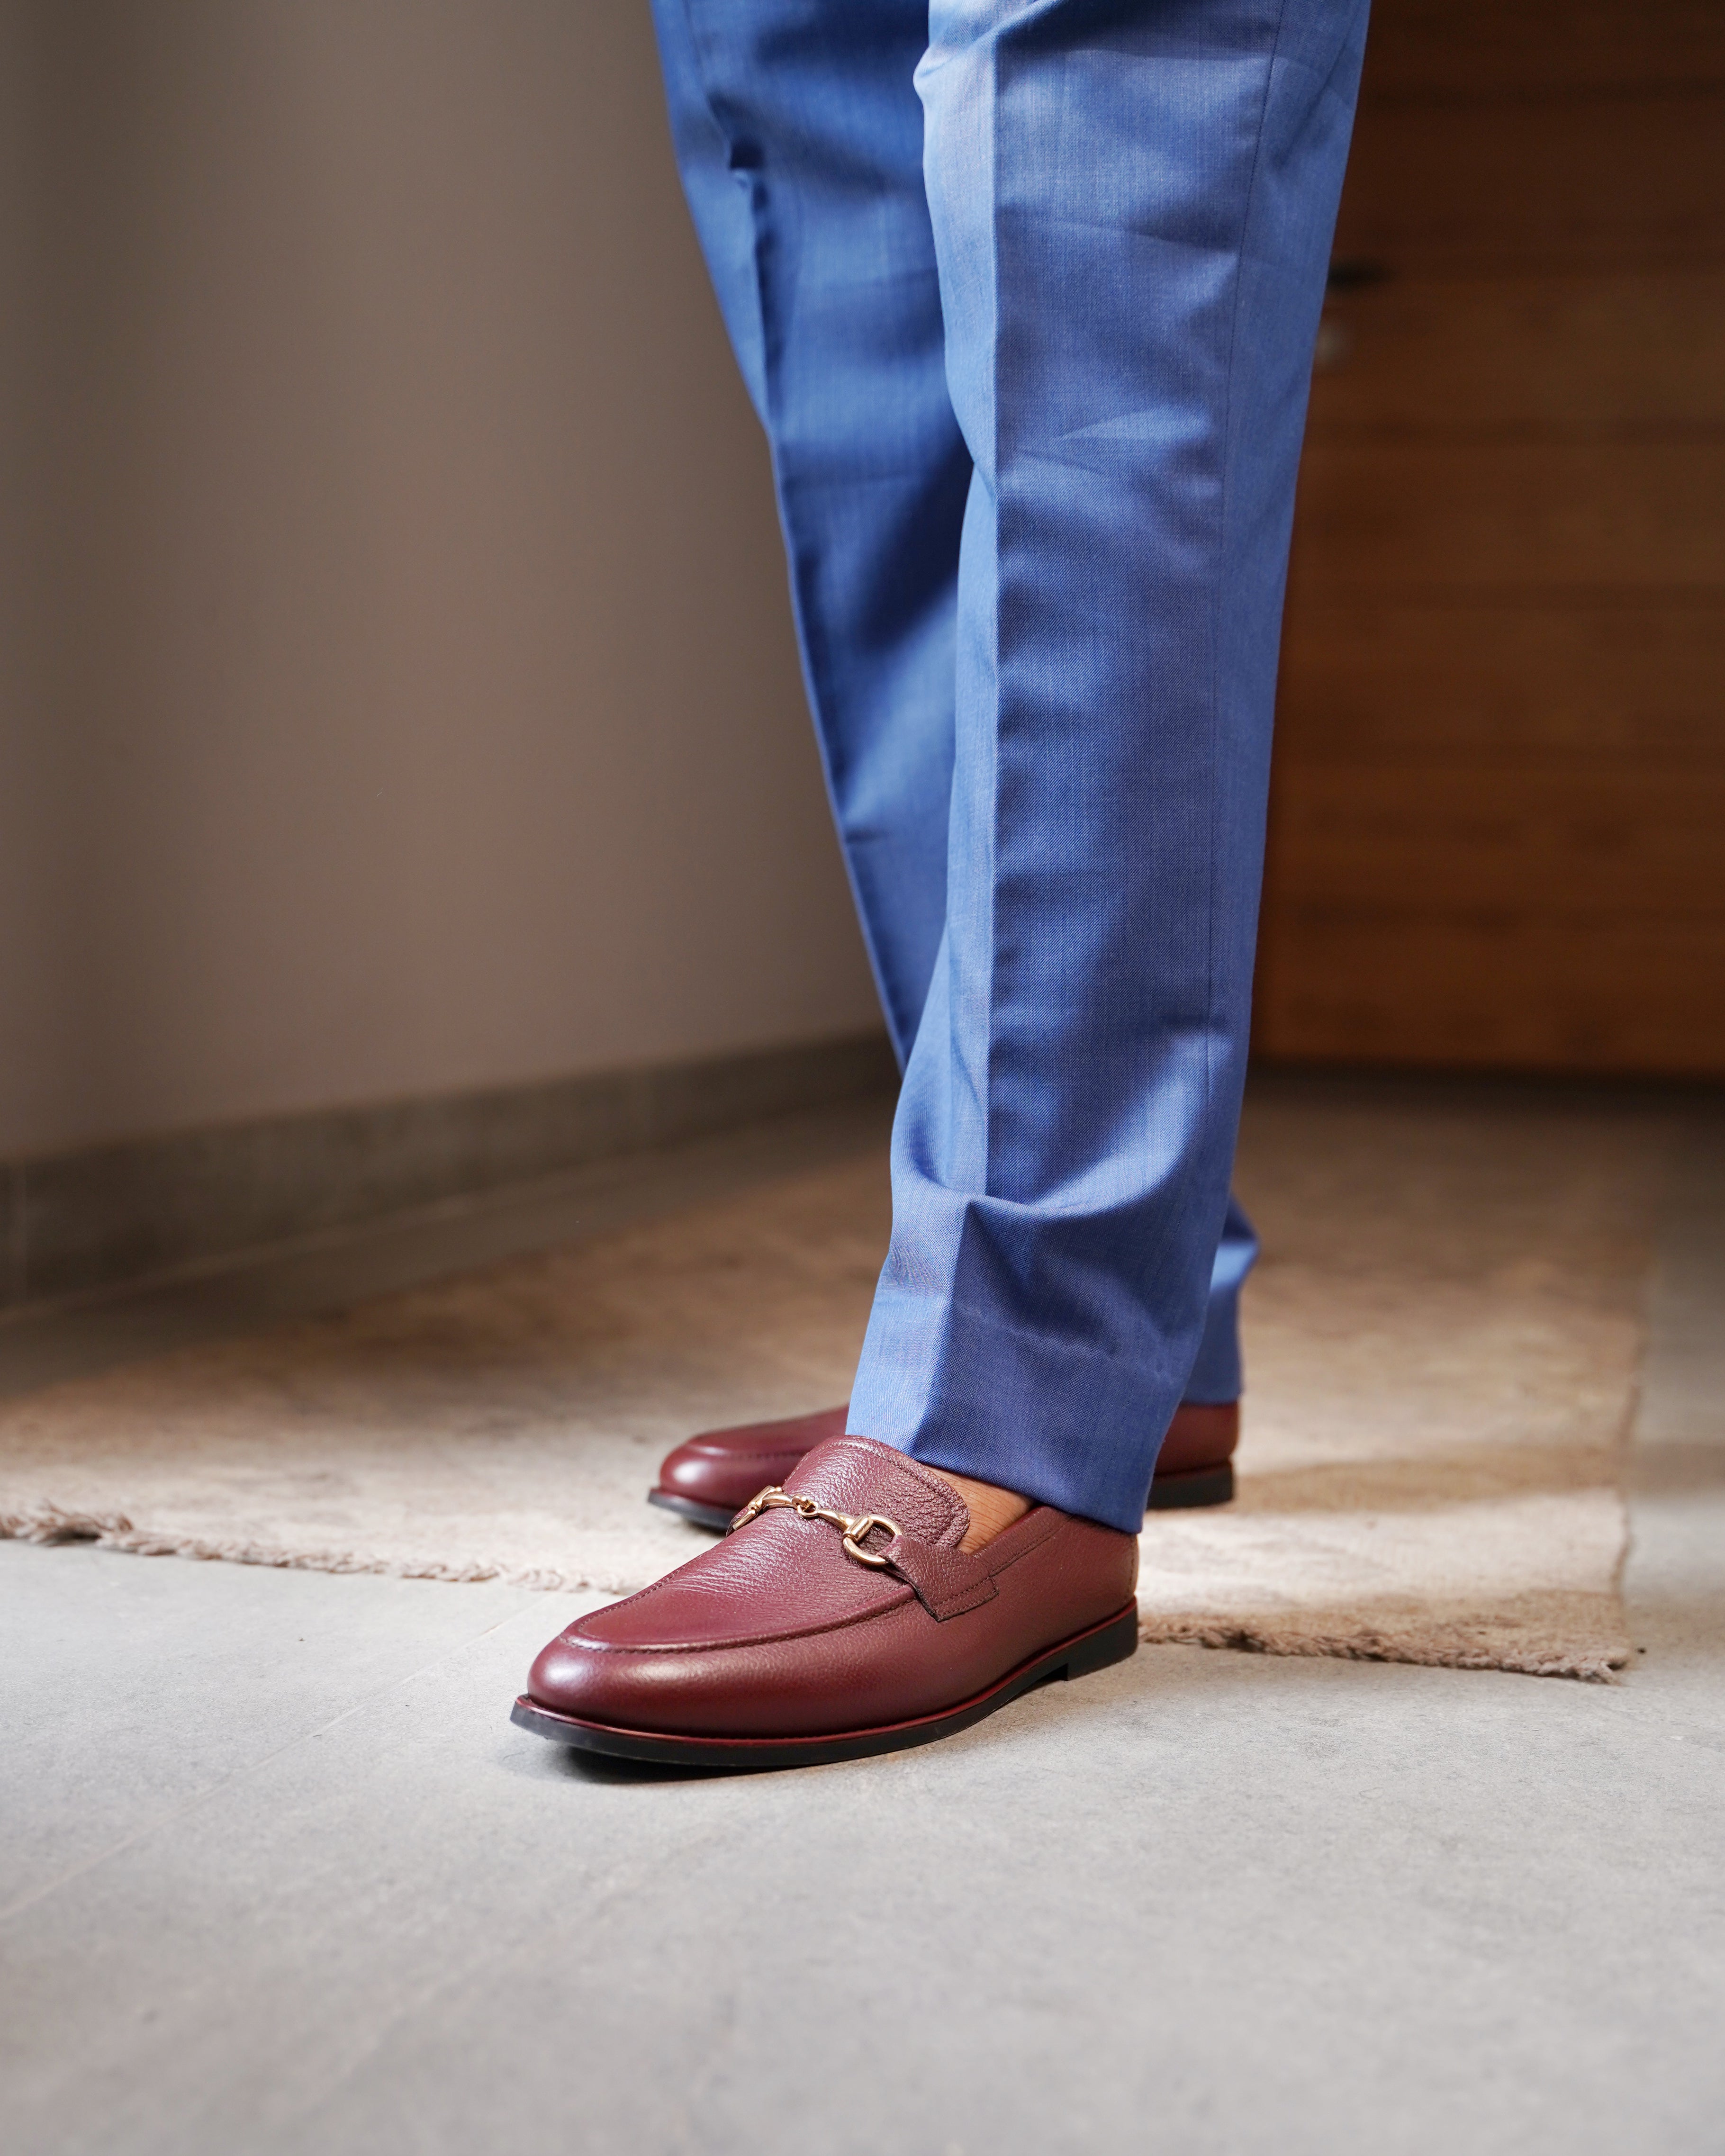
(799, 136)
(798, 133)
(1133, 206)
(1109, 262)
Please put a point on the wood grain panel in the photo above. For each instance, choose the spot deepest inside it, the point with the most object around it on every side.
(1509, 48)
(1493, 990)
(1497, 822)
(1620, 350)
(1613, 181)
(1629, 684)
(1537, 839)
(1390, 516)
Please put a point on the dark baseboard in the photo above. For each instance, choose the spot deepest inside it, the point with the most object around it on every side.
(115, 1214)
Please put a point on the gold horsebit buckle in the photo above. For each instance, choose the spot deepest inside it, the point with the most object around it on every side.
(854, 1527)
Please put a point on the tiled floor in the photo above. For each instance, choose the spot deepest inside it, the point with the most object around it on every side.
(276, 1874)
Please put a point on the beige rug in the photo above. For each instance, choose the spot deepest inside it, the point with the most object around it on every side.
(1442, 1339)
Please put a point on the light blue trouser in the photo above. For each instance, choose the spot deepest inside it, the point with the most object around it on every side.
(1026, 295)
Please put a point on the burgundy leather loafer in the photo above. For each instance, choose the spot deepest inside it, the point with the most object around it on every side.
(838, 1618)
(710, 1477)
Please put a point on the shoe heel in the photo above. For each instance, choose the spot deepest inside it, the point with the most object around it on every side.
(1199, 1486)
(1115, 1642)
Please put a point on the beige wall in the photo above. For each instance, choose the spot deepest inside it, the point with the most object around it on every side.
(398, 691)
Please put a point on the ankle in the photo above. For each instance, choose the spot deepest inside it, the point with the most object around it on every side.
(991, 1510)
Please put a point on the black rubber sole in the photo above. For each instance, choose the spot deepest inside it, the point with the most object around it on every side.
(1168, 1493)
(1104, 1645)
(686, 1508)
(1202, 1485)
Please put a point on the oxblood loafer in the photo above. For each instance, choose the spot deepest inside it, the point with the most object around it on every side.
(838, 1618)
(709, 1478)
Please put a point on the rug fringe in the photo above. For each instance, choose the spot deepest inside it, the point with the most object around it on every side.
(47, 1524)
(53, 1524)
(1587, 1667)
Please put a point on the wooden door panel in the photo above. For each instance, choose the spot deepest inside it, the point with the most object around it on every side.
(1614, 181)
(1467, 517)
(1533, 839)
(1506, 48)
(1622, 349)
(1493, 990)
(1502, 684)
(1497, 815)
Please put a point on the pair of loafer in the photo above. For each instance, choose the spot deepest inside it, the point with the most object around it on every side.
(840, 1616)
